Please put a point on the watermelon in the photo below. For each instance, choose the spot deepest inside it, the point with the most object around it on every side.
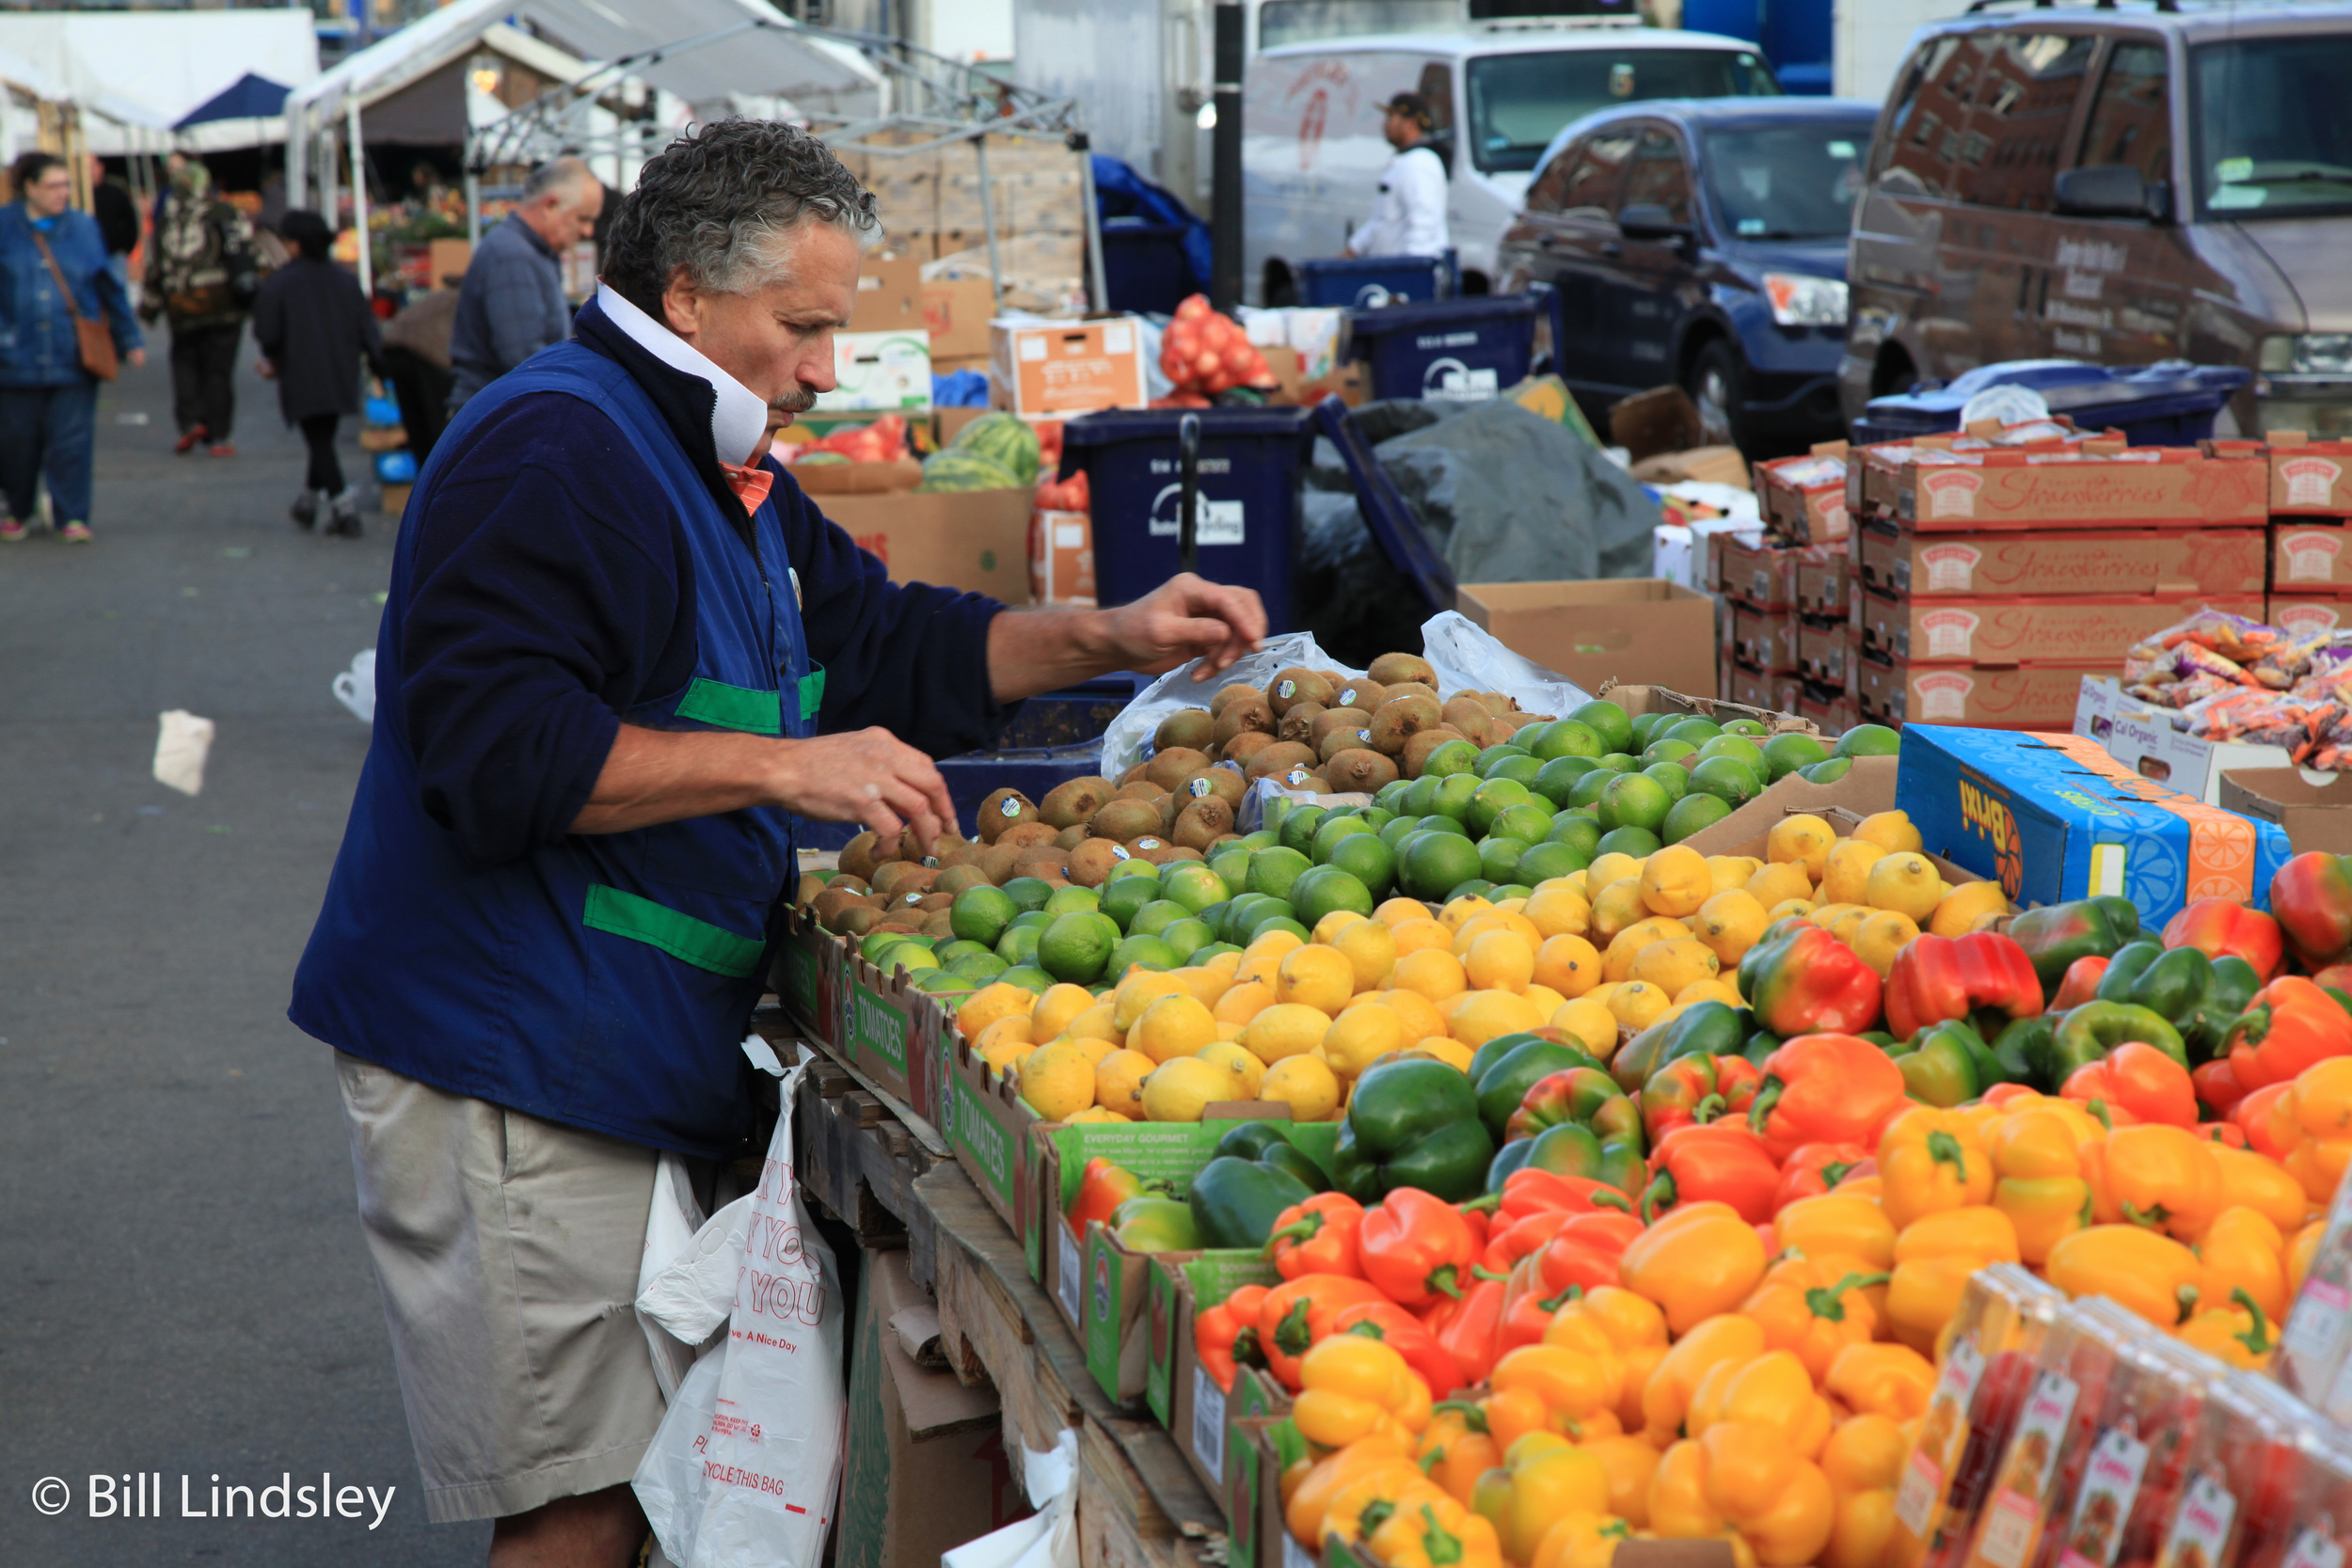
(1004, 440)
(816, 459)
(957, 469)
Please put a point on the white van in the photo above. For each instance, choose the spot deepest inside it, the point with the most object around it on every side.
(1499, 91)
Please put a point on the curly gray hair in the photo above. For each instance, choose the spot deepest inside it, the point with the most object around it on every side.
(718, 200)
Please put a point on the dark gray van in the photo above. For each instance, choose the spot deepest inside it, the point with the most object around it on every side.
(2119, 186)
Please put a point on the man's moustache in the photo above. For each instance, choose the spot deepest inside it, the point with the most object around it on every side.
(794, 402)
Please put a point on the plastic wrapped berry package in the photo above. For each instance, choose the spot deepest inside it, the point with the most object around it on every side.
(2247, 1468)
(2316, 1342)
(2024, 1505)
(2134, 1418)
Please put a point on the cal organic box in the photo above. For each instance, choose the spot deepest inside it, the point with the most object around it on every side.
(2030, 696)
(2054, 818)
(2064, 562)
(1629, 629)
(2029, 629)
(1060, 367)
(2307, 477)
(977, 540)
(2142, 738)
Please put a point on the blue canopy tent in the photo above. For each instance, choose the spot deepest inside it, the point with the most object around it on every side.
(249, 97)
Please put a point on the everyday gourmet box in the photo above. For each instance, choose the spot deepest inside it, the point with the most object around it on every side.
(2029, 629)
(2086, 560)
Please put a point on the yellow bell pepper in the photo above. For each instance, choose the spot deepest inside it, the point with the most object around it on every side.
(2038, 1176)
(1435, 1532)
(1311, 1500)
(1352, 1386)
(1632, 1462)
(1774, 1393)
(2312, 1122)
(1700, 1259)
(1863, 1464)
(2238, 1332)
(1893, 1381)
(2165, 1177)
(1839, 1224)
(1540, 1485)
(1456, 1448)
(1361, 1507)
(1574, 1384)
(2151, 1274)
(1745, 1479)
(2243, 1251)
(2301, 1251)
(1581, 1540)
(1814, 1309)
(1632, 1324)
(2249, 1181)
(1666, 1400)
(1933, 1258)
(1931, 1161)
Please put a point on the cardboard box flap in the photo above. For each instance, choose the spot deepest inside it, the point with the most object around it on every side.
(934, 1402)
(1868, 786)
(918, 1329)
(2316, 810)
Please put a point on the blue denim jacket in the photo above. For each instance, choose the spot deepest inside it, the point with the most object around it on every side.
(37, 342)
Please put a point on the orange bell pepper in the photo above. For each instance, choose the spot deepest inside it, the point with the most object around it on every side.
(2251, 1116)
(1632, 1325)
(1456, 1448)
(1719, 1163)
(2291, 1025)
(1828, 1088)
(2144, 1272)
(1587, 1251)
(2243, 1251)
(1701, 1259)
(1894, 1381)
(1298, 1313)
(2311, 1126)
(1435, 1532)
(1309, 1505)
(1747, 1478)
(2220, 927)
(1773, 1392)
(1542, 1481)
(1363, 1505)
(1317, 1237)
(1814, 1169)
(2164, 1177)
(1350, 1387)
(1813, 1311)
(2141, 1079)
(2239, 1333)
(1583, 1539)
(2301, 1248)
(1407, 1335)
(2250, 1182)
(1574, 1384)
(1469, 1330)
(1933, 1258)
(1416, 1248)
(1864, 1463)
(1931, 1161)
(1216, 1331)
(2038, 1176)
(1666, 1399)
(1837, 1225)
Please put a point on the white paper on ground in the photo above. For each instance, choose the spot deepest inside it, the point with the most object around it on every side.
(182, 744)
(355, 687)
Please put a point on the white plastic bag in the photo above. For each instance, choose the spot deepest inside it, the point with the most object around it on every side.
(1128, 740)
(745, 1469)
(673, 1221)
(1049, 1537)
(355, 687)
(1466, 656)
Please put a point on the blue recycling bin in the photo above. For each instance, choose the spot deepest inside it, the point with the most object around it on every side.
(1251, 463)
(1369, 282)
(1464, 350)
(1144, 265)
(2170, 403)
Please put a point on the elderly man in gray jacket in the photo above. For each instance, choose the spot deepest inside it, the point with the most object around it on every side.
(511, 305)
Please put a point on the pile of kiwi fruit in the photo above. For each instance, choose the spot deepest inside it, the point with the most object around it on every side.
(1312, 730)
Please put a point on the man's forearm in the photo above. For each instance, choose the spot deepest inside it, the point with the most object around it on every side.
(1031, 651)
(654, 776)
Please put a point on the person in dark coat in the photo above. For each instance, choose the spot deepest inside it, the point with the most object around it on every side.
(314, 325)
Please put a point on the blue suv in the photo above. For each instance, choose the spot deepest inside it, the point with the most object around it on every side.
(1701, 242)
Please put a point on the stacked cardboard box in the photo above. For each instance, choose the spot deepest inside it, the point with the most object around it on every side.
(932, 208)
(1790, 629)
(1991, 580)
(2311, 539)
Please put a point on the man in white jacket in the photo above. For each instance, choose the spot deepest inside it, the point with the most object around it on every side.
(1409, 217)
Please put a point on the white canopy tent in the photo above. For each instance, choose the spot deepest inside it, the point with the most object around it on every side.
(135, 73)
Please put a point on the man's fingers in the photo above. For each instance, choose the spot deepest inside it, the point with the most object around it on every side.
(885, 825)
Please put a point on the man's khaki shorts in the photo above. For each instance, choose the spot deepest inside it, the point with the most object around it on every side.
(507, 1249)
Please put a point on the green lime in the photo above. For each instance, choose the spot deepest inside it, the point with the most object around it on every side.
(1530, 820)
(1826, 772)
(1187, 937)
(1868, 740)
(1019, 944)
(1028, 892)
(1417, 796)
(1691, 813)
(1475, 887)
(1621, 762)
(1485, 766)
(1551, 859)
(1203, 955)
(1434, 862)
(939, 982)
(1698, 732)
(1027, 918)
(1299, 828)
(1554, 778)
(1444, 824)
(1493, 797)
(1608, 723)
(1122, 897)
(870, 947)
(1333, 890)
(1264, 838)
(1155, 917)
(1566, 738)
(1375, 818)
(948, 952)
(1247, 911)
(1511, 890)
(1231, 864)
(1334, 829)
(1586, 790)
(1027, 976)
(1364, 857)
(1669, 749)
(1132, 868)
(1519, 767)
(1397, 830)
(1637, 842)
(1193, 885)
(1784, 754)
(1578, 832)
(1455, 756)
(982, 967)
(1633, 800)
(1752, 728)
(1642, 726)
(1454, 795)
(1499, 858)
(1672, 776)
(1073, 900)
(1151, 952)
(1280, 922)
(1390, 793)
(1273, 871)
(1727, 779)
(1737, 746)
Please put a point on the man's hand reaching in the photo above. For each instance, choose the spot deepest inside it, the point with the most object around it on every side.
(868, 776)
(1186, 618)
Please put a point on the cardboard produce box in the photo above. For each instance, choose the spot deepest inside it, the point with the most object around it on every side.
(1629, 629)
(1067, 368)
(2061, 561)
(1811, 513)
(1762, 577)
(2307, 477)
(890, 1031)
(879, 371)
(1826, 654)
(1062, 558)
(1637, 700)
(2028, 629)
(2309, 556)
(2314, 811)
(2088, 487)
(971, 539)
(2304, 616)
(810, 975)
(1775, 691)
(957, 311)
(1180, 1390)
(1762, 641)
(1868, 786)
(1825, 580)
(889, 296)
(2032, 696)
(2142, 738)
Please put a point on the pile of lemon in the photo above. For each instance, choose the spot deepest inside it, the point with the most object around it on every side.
(1601, 955)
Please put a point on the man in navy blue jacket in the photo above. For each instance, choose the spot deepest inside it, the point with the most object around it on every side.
(621, 655)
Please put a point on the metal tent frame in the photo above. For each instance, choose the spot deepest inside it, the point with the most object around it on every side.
(911, 102)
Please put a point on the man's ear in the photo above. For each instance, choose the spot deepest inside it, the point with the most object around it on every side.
(681, 306)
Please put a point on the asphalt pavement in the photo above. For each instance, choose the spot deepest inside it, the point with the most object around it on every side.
(183, 1291)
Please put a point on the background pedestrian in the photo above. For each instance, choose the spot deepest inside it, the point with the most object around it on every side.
(416, 355)
(117, 216)
(53, 275)
(512, 303)
(202, 275)
(313, 326)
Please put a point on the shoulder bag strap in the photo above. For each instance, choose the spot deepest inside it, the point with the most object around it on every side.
(57, 272)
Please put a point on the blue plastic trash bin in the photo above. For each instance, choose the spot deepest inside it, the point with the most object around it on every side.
(2172, 404)
(1459, 350)
(1251, 460)
(1369, 282)
(1144, 265)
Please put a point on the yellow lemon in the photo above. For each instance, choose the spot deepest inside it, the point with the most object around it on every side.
(1590, 1025)
(1370, 948)
(1617, 963)
(1420, 1014)
(1778, 882)
(1547, 1001)
(1261, 968)
(1306, 1084)
(1512, 905)
(1673, 1010)
(1637, 1003)
(1675, 881)
(1396, 912)
(1967, 908)
(1285, 1029)
(1567, 964)
(1676, 964)
(1434, 973)
(1846, 874)
(1460, 910)
(1097, 1113)
(1891, 831)
(1487, 1013)
(1451, 1052)
(1620, 906)
(1180, 1091)
(1058, 1081)
(1731, 871)
(1415, 935)
(1360, 1037)
(1826, 915)
(1205, 984)
(1139, 990)
(1320, 978)
(1172, 1026)
(1848, 922)
(1226, 962)
(1013, 1026)
(987, 1004)
(1118, 1082)
(1096, 1049)
(1730, 923)
(1245, 1002)
(1612, 867)
(1501, 961)
(1333, 923)
(1600, 993)
(1800, 840)
(1717, 990)
(1236, 1058)
(1800, 909)
(1274, 945)
(1230, 1031)
(1906, 880)
(1007, 1051)
(1100, 1022)
(1575, 881)
(1055, 1009)
(1881, 935)
(1558, 913)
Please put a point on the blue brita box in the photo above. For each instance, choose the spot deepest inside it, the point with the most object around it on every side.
(2052, 818)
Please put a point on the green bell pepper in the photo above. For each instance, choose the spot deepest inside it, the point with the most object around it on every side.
(1947, 1063)
(1268, 1143)
(1715, 1028)
(1508, 1077)
(2028, 1050)
(1762, 1044)
(2197, 996)
(2057, 934)
(1155, 1224)
(1412, 1122)
(1234, 1201)
(2088, 1033)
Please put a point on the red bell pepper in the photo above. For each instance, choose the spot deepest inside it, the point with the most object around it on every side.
(2217, 1085)
(1467, 1329)
(1585, 1096)
(1719, 1162)
(1506, 1244)
(1415, 1249)
(2311, 897)
(1528, 1191)
(1298, 1313)
(2216, 926)
(1799, 979)
(1407, 1335)
(1218, 1334)
(1103, 1186)
(1317, 1237)
(2290, 1025)
(2139, 1079)
(1935, 978)
(1528, 1304)
(2080, 983)
(2251, 1116)
(1697, 1087)
(1812, 1169)
(1826, 1088)
(1586, 1251)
